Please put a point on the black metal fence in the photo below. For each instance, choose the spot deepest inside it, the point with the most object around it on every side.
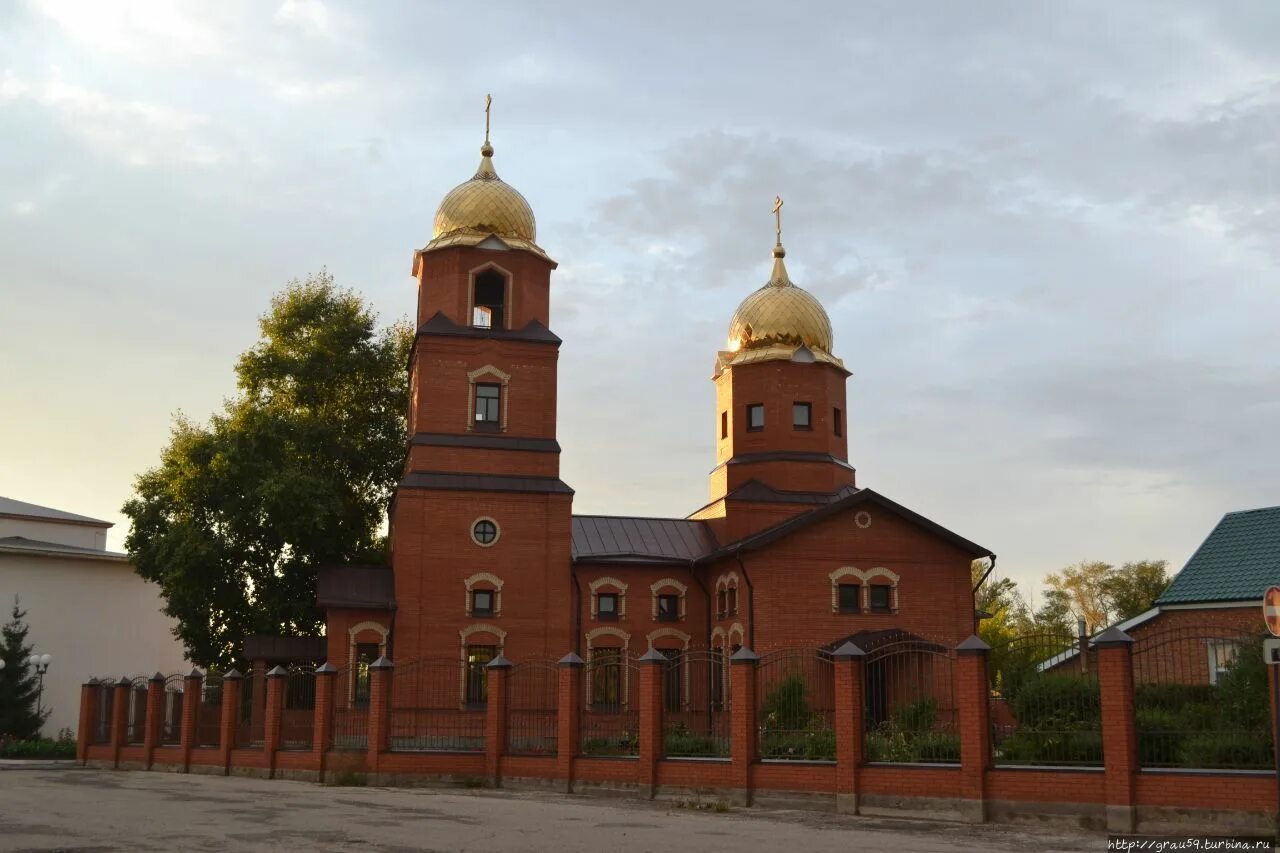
(532, 691)
(171, 711)
(102, 711)
(209, 714)
(252, 715)
(610, 716)
(1045, 702)
(910, 713)
(1201, 699)
(297, 724)
(696, 705)
(795, 705)
(350, 709)
(135, 727)
(437, 706)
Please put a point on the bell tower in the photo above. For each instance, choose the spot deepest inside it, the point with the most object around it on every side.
(781, 418)
(481, 520)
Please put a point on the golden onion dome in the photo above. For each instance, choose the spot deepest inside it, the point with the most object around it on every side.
(485, 204)
(780, 314)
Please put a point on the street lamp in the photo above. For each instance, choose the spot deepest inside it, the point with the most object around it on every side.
(41, 665)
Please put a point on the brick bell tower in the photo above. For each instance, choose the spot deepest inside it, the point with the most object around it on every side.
(781, 418)
(480, 525)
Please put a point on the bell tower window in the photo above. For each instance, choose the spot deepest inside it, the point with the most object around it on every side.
(489, 296)
(488, 405)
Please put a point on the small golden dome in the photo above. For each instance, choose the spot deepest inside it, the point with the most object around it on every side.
(485, 205)
(780, 313)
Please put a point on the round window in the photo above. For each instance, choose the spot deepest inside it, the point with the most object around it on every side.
(485, 531)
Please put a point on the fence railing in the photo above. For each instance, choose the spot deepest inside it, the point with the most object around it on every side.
(696, 705)
(796, 705)
(297, 719)
(209, 714)
(1045, 703)
(103, 705)
(436, 706)
(350, 709)
(610, 715)
(171, 712)
(135, 727)
(252, 715)
(532, 709)
(1200, 699)
(910, 710)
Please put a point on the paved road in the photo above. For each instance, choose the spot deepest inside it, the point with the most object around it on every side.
(72, 808)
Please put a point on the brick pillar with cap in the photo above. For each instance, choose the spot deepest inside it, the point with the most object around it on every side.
(380, 674)
(652, 665)
(744, 738)
(497, 672)
(568, 718)
(850, 742)
(192, 684)
(155, 718)
(322, 720)
(273, 715)
(973, 695)
(88, 716)
(232, 683)
(1119, 736)
(119, 718)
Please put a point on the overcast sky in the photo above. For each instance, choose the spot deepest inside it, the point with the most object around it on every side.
(1046, 234)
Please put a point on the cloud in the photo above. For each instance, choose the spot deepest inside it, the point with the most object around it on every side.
(311, 17)
(136, 30)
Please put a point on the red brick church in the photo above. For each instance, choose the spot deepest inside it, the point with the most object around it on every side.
(487, 556)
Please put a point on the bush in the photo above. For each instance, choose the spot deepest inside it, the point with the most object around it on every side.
(785, 707)
(1058, 702)
(1170, 695)
(628, 743)
(814, 742)
(1052, 747)
(918, 716)
(887, 742)
(1227, 749)
(679, 741)
(43, 748)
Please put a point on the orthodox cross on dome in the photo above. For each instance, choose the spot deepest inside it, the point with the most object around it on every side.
(488, 102)
(777, 216)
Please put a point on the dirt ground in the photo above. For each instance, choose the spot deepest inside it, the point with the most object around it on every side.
(65, 807)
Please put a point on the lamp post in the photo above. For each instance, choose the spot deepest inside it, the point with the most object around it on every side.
(41, 665)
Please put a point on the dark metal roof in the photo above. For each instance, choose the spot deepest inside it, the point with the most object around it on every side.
(622, 539)
(784, 528)
(487, 442)
(356, 586)
(285, 649)
(21, 509)
(756, 491)
(1239, 560)
(533, 332)
(484, 483)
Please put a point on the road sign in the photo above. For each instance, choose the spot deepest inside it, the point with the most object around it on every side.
(1271, 609)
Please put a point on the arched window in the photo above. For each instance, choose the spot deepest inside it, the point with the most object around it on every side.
(489, 298)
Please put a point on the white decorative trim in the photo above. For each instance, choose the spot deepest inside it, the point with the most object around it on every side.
(489, 370)
(657, 586)
(506, 292)
(737, 628)
(351, 652)
(505, 380)
(719, 633)
(367, 626)
(723, 580)
(668, 632)
(609, 631)
(463, 635)
(484, 577)
(862, 519)
(621, 588)
(864, 580)
(471, 531)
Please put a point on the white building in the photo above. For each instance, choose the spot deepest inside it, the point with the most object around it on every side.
(85, 605)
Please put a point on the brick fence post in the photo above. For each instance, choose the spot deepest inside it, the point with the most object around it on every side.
(568, 718)
(379, 739)
(155, 718)
(652, 664)
(232, 683)
(192, 685)
(744, 734)
(273, 716)
(1119, 735)
(119, 718)
(973, 698)
(322, 718)
(88, 716)
(495, 718)
(850, 741)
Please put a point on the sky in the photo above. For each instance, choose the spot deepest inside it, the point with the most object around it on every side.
(1045, 233)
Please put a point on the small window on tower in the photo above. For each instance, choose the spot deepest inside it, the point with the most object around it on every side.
(801, 415)
(724, 424)
(488, 406)
(755, 417)
(838, 424)
(490, 293)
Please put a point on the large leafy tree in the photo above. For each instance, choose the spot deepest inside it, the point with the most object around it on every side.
(19, 685)
(295, 471)
(1134, 587)
(1102, 594)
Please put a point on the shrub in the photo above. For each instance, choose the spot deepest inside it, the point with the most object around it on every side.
(1052, 747)
(815, 742)
(1170, 695)
(1058, 701)
(678, 740)
(918, 716)
(785, 707)
(43, 748)
(626, 743)
(1227, 749)
(888, 743)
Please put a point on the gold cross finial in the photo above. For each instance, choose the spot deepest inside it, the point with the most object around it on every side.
(777, 215)
(488, 102)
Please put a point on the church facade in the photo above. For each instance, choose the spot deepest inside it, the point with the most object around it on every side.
(488, 558)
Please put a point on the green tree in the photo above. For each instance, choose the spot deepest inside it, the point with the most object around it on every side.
(1134, 587)
(295, 471)
(1000, 599)
(19, 685)
(1081, 586)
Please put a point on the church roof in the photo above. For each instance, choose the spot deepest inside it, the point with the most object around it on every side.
(21, 509)
(356, 586)
(625, 539)
(1239, 560)
(36, 547)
